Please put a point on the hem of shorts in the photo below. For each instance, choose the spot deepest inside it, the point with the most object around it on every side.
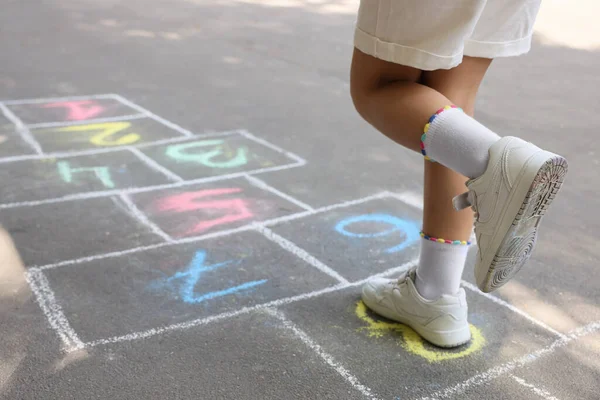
(403, 55)
(475, 48)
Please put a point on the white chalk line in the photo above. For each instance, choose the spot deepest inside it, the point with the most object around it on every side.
(22, 130)
(155, 165)
(142, 218)
(56, 318)
(506, 368)
(155, 117)
(320, 210)
(540, 392)
(251, 226)
(259, 183)
(58, 99)
(241, 311)
(87, 152)
(326, 357)
(127, 117)
(213, 318)
(514, 309)
(272, 146)
(202, 321)
(392, 271)
(134, 190)
(300, 253)
(179, 139)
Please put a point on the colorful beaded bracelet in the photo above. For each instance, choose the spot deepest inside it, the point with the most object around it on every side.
(428, 124)
(456, 242)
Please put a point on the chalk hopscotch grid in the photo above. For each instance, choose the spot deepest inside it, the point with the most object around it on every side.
(45, 125)
(88, 152)
(244, 310)
(111, 96)
(58, 321)
(409, 198)
(512, 308)
(326, 357)
(58, 99)
(22, 129)
(152, 164)
(52, 310)
(260, 227)
(540, 392)
(222, 233)
(136, 213)
(179, 182)
(506, 368)
(298, 162)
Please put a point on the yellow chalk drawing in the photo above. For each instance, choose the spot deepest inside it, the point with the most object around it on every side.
(107, 130)
(413, 342)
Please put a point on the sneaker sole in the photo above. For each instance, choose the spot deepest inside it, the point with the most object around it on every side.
(520, 224)
(445, 339)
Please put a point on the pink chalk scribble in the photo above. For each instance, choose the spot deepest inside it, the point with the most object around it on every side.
(78, 110)
(236, 208)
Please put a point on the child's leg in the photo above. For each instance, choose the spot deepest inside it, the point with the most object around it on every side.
(399, 100)
(441, 266)
(390, 97)
(516, 181)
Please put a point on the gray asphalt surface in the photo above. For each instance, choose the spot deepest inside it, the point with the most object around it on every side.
(239, 278)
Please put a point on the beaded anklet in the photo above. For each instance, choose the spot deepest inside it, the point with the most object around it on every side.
(428, 124)
(454, 242)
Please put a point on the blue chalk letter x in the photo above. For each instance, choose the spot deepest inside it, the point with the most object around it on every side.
(191, 276)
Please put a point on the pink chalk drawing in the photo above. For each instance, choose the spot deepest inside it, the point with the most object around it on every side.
(78, 110)
(236, 208)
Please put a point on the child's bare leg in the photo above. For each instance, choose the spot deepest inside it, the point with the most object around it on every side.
(390, 97)
(440, 269)
(399, 100)
(511, 182)
(460, 86)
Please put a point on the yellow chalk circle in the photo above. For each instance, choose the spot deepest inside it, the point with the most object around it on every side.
(413, 342)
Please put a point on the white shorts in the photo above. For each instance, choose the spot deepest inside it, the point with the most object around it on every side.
(435, 34)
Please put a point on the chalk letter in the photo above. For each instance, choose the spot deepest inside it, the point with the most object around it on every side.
(178, 152)
(78, 110)
(102, 173)
(191, 276)
(408, 228)
(107, 130)
(189, 201)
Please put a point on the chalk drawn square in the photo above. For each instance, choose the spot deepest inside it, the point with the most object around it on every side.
(249, 357)
(178, 283)
(51, 178)
(389, 352)
(102, 135)
(219, 155)
(55, 232)
(11, 143)
(69, 111)
(360, 240)
(200, 209)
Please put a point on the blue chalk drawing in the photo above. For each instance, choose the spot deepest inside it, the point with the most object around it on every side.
(410, 229)
(102, 173)
(193, 274)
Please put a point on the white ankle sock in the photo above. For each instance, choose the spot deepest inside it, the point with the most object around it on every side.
(440, 268)
(458, 142)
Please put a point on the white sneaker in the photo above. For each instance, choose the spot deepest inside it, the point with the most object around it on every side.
(442, 322)
(509, 200)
